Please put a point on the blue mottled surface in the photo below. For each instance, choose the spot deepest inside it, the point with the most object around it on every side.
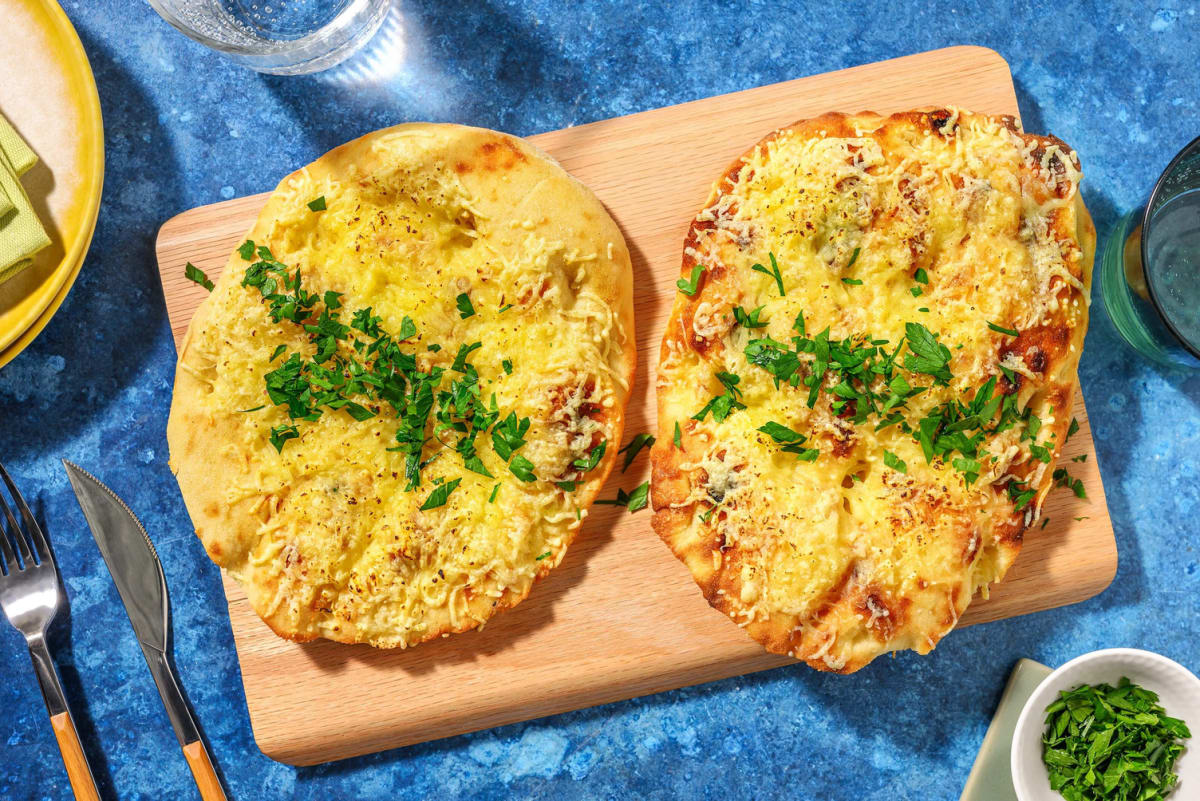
(1117, 80)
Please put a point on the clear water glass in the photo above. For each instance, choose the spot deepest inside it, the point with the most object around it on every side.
(1150, 269)
(282, 37)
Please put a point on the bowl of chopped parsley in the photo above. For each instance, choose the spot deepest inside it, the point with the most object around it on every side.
(1111, 725)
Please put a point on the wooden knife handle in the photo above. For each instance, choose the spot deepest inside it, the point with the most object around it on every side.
(78, 771)
(202, 771)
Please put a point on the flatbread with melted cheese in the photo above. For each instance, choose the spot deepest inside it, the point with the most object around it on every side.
(955, 222)
(327, 535)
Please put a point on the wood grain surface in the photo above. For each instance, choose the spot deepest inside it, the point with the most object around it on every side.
(620, 617)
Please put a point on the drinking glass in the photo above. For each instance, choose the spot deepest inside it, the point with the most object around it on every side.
(282, 37)
(1150, 269)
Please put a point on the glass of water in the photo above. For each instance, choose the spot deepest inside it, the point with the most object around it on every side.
(1150, 270)
(283, 37)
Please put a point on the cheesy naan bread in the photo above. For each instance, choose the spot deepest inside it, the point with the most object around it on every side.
(392, 413)
(867, 375)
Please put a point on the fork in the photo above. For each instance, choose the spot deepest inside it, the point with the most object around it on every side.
(29, 596)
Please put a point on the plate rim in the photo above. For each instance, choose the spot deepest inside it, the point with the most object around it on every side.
(84, 80)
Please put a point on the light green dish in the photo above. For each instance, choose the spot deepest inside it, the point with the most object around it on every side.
(991, 775)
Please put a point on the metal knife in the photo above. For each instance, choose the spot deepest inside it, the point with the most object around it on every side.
(138, 574)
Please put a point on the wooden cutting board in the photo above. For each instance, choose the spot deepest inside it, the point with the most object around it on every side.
(620, 617)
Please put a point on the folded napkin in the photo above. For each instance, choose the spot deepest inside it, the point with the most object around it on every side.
(21, 232)
(19, 154)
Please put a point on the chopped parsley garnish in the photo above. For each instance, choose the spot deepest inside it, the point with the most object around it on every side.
(522, 468)
(999, 329)
(465, 309)
(255, 409)
(1080, 458)
(633, 501)
(773, 272)
(792, 441)
(916, 291)
(1106, 743)
(505, 308)
(852, 281)
(361, 368)
(317, 204)
(460, 360)
(926, 310)
(749, 319)
(495, 492)
(543, 556)
(688, 286)
(593, 458)
(721, 405)
(921, 277)
(895, 462)
(1062, 478)
(635, 445)
(507, 365)
(194, 274)
(440, 494)
(853, 258)
(281, 434)
(1072, 429)
(678, 436)
(1045, 522)
(928, 356)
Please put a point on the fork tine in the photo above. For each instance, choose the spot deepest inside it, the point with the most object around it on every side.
(9, 562)
(32, 530)
(14, 528)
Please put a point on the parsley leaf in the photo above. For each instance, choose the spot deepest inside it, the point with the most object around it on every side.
(1072, 429)
(921, 277)
(543, 556)
(317, 204)
(507, 365)
(522, 468)
(678, 436)
(689, 286)
(749, 319)
(853, 258)
(633, 501)
(590, 461)
(773, 272)
(895, 462)
(1062, 478)
(440, 494)
(999, 329)
(634, 447)
(928, 356)
(281, 434)
(194, 274)
(465, 309)
(246, 250)
(852, 281)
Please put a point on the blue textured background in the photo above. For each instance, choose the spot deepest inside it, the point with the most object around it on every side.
(1118, 80)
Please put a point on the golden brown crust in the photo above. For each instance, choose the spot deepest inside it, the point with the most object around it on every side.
(857, 614)
(514, 194)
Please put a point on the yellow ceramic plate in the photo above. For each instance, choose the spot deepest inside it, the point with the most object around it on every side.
(49, 94)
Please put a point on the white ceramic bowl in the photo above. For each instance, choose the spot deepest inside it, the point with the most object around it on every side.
(1178, 692)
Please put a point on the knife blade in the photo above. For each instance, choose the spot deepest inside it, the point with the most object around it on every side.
(138, 574)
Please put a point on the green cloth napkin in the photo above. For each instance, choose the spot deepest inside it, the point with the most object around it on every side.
(19, 154)
(21, 232)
